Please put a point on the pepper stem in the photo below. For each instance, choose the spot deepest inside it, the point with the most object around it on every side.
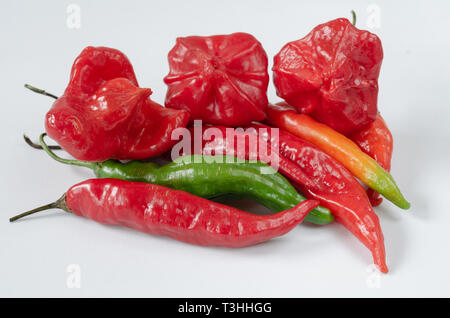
(37, 146)
(353, 17)
(72, 162)
(40, 91)
(58, 204)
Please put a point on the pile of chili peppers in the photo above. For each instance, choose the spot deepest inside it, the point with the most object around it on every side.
(329, 137)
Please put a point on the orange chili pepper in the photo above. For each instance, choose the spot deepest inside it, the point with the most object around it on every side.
(376, 140)
(339, 147)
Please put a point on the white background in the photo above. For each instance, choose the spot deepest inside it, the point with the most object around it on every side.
(38, 48)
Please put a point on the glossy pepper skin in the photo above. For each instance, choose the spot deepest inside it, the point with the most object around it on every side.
(201, 176)
(376, 141)
(340, 148)
(103, 113)
(212, 177)
(327, 181)
(221, 145)
(179, 215)
(219, 79)
(332, 75)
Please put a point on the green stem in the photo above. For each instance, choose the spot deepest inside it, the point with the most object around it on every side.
(40, 91)
(58, 204)
(72, 162)
(353, 17)
(37, 146)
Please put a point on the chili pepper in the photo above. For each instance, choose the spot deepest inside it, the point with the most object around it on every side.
(376, 141)
(177, 214)
(240, 145)
(340, 148)
(332, 75)
(335, 188)
(103, 113)
(209, 177)
(220, 79)
(223, 144)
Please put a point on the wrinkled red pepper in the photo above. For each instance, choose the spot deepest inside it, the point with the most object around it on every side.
(177, 214)
(335, 188)
(332, 75)
(376, 140)
(220, 79)
(313, 172)
(238, 145)
(103, 113)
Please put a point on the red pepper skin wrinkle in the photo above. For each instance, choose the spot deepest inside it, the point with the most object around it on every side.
(332, 75)
(327, 181)
(219, 79)
(376, 141)
(182, 216)
(103, 114)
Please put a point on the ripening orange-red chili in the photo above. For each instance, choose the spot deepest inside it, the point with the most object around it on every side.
(376, 140)
(339, 147)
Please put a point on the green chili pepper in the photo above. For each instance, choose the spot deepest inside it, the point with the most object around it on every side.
(214, 177)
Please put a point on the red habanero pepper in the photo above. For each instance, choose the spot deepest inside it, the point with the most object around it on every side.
(376, 141)
(332, 75)
(103, 113)
(335, 188)
(182, 216)
(220, 79)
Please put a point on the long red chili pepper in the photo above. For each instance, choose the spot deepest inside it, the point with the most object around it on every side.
(335, 188)
(322, 178)
(177, 214)
(376, 141)
(238, 145)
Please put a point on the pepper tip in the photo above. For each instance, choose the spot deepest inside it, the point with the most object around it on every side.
(404, 205)
(383, 268)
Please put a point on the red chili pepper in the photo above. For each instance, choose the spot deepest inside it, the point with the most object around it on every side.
(332, 75)
(220, 79)
(177, 214)
(312, 171)
(239, 144)
(214, 140)
(376, 141)
(103, 113)
(335, 188)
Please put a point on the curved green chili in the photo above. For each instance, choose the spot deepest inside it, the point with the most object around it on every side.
(213, 177)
